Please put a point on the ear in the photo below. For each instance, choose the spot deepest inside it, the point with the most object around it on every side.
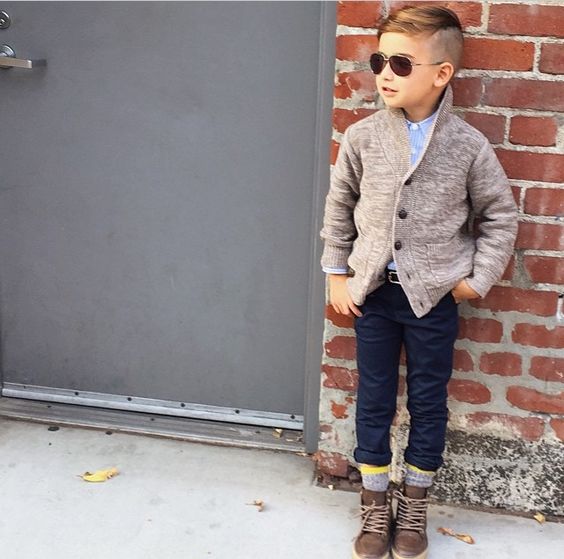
(444, 74)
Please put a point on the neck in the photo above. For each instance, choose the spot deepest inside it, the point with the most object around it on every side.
(418, 114)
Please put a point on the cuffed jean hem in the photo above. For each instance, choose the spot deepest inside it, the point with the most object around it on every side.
(372, 458)
(429, 464)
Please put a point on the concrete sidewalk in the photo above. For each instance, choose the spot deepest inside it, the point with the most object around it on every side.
(176, 500)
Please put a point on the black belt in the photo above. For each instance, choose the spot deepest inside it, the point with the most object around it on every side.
(392, 276)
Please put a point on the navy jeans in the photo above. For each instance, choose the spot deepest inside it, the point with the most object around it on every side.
(388, 321)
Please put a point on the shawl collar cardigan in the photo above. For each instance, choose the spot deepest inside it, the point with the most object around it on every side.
(380, 207)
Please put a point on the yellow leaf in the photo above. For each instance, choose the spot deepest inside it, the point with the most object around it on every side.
(99, 475)
(277, 433)
(539, 517)
(462, 537)
(465, 538)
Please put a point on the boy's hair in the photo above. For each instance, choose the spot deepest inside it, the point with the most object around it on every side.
(437, 21)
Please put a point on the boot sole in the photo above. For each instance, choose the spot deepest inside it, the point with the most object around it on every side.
(422, 555)
(355, 556)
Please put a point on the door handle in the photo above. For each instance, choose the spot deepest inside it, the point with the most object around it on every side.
(8, 59)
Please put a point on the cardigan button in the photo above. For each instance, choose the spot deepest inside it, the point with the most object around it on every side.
(402, 213)
(397, 245)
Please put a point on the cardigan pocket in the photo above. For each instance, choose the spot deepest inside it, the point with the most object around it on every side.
(358, 258)
(450, 261)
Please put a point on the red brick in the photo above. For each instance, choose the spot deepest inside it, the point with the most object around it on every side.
(508, 274)
(469, 13)
(547, 368)
(463, 360)
(480, 329)
(558, 425)
(524, 165)
(540, 236)
(533, 131)
(505, 364)
(401, 385)
(359, 14)
(360, 83)
(528, 428)
(467, 92)
(544, 201)
(525, 94)
(341, 347)
(516, 191)
(468, 391)
(544, 269)
(533, 400)
(343, 118)
(339, 411)
(493, 126)
(334, 147)
(331, 463)
(538, 21)
(538, 335)
(498, 54)
(356, 47)
(339, 319)
(542, 303)
(340, 377)
(552, 58)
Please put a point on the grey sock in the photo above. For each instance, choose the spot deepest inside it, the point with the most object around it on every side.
(419, 478)
(375, 478)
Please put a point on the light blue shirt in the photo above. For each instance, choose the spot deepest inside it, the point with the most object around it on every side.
(417, 137)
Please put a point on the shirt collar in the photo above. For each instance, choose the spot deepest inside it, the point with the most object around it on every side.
(422, 123)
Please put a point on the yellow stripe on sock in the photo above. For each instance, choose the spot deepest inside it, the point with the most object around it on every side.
(368, 469)
(416, 469)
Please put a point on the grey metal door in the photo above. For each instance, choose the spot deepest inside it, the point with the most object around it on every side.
(156, 205)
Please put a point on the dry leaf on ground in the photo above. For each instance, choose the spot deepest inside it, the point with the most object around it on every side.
(539, 517)
(462, 537)
(277, 433)
(257, 503)
(100, 475)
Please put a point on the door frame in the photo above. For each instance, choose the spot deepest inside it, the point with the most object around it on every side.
(316, 289)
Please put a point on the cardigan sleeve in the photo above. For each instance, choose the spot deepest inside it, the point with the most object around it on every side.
(339, 230)
(492, 201)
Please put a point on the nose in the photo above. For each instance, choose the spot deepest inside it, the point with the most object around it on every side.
(386, 72)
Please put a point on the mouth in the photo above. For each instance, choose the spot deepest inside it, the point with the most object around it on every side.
(388, 90)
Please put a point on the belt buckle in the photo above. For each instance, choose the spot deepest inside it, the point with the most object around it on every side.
(391, 275)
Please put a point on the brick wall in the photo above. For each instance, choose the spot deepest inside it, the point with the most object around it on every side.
(507, 389)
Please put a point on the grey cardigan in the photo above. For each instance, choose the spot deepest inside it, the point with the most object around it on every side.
(380, 207)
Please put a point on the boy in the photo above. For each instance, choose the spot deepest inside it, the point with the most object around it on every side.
(400, 256)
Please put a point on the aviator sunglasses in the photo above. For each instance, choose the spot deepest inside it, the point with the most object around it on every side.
(400, 65)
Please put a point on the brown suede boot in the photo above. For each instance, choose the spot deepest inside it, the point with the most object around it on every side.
(410, 531)
(373, 540)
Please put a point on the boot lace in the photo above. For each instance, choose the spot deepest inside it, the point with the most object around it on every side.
(374, 518)
(411, 513)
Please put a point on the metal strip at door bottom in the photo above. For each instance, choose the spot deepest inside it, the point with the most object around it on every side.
(154, 406)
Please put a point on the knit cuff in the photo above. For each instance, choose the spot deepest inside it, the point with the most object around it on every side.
(481, 283)
(335, 256)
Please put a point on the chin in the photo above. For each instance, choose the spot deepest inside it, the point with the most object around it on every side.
(392, 103)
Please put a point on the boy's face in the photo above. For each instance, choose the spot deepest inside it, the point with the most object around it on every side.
(422, 85)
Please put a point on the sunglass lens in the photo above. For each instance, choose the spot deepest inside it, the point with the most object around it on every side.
(377, 63)
(400, 65)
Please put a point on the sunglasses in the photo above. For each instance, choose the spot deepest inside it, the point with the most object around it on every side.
(400, 65)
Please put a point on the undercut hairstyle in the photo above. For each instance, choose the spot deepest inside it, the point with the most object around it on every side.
(440, 24)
